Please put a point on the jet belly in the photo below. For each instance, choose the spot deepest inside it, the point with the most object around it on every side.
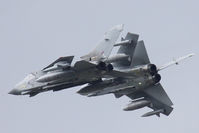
(91, 88)
(89, 75)
(106, 87)
(78, 78)
(118, 86)
(119, 89)
(64, 79)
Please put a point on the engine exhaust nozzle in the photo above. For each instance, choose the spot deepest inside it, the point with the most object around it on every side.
(156, 78)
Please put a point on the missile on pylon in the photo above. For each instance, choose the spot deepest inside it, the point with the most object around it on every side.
(137, 104)
(155, 112)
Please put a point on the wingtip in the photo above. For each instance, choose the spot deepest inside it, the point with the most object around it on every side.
(192, 54)
(119, 27)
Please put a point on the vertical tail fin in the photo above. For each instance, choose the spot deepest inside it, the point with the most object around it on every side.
(140, 56)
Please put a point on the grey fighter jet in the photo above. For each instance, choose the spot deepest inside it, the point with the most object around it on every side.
(61, 74)
(138, 79)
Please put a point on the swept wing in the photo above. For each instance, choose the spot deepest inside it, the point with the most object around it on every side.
(61, 62)
(105, 46)
(159, 100)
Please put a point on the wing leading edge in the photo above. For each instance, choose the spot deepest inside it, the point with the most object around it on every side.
(105, 46)
(61, 60)
(159, 100)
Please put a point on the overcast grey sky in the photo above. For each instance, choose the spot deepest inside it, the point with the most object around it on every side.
(35, 33)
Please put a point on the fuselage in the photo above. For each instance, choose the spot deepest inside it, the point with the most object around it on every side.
(55, 80)
(141, 79)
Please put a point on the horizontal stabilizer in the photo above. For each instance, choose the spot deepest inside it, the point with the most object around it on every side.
(157, 92)
(158, 98)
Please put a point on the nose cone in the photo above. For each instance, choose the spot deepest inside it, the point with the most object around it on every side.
(15, 92)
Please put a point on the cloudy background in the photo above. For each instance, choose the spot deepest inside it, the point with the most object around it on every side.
(35, 33)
